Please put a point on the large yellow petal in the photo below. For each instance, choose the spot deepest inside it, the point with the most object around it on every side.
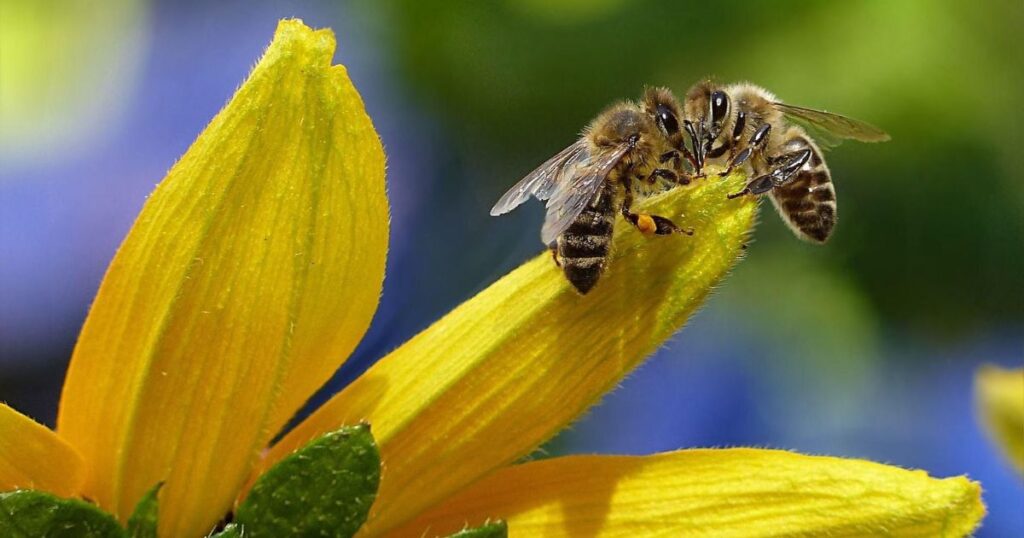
(721, 493)
(509, 368)
(1000, 396)
(251, 273)
(33, 457)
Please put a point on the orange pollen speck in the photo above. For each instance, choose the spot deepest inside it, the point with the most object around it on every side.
(646, 224)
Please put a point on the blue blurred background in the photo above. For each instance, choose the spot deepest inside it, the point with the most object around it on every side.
(864, 348)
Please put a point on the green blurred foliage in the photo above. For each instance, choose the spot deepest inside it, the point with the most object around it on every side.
(66, 66)
(932, 223)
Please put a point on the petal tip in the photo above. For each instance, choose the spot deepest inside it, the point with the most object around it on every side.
(294, 35)
(969, 505)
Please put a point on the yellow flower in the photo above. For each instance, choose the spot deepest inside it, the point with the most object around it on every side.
(1000, 396)
(253, 271)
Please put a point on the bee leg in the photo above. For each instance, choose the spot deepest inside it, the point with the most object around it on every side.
(697, 156)
(737, 160)
(786, 170)
(759, 185)
(791, 164)
(648, 224)
(737, 133)
(679, 176)
(553, 247)
(655, 224)
(667, 174)
(688, 155)
(664, 226)
(719, 150)
(642, 222)
(757, 143)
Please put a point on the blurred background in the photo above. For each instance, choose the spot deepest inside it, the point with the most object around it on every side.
(864, 348)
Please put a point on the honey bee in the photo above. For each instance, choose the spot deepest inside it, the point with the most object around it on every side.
(630, 150)
(751, 127)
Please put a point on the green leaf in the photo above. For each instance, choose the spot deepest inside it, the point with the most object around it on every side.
(325, 488)
(31, 514)
(142, 523)
(232, 530)
(498, 529)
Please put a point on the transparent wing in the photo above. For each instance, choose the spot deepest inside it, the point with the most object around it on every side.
(583, 180)
(825, 139)
(839, 127)
(541, 182)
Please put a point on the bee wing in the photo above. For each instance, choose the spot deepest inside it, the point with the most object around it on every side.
(832, 128)
(583, 180)
(825, 139)
(541, 182)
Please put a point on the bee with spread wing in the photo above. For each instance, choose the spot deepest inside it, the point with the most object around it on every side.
(629, 150)
(745, 125)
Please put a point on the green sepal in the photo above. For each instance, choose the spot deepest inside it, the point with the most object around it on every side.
(497, 529)
(232, 530)
(28, 513)
(325, 488)
(142, 523)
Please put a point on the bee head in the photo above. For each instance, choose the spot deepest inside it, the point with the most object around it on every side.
(706, 109)
(697, 104)
(662, 107)
(621, 124)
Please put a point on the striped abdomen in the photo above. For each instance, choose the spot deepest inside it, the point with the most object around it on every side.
(584, 246)
(807, 202)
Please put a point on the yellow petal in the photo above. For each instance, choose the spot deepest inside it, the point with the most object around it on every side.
(512, 366)
(251, 273)
(33, 457)
(1000, 396)
(721, 493)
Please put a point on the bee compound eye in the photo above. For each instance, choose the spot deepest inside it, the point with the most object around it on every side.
(719, 107)
(667, 120)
